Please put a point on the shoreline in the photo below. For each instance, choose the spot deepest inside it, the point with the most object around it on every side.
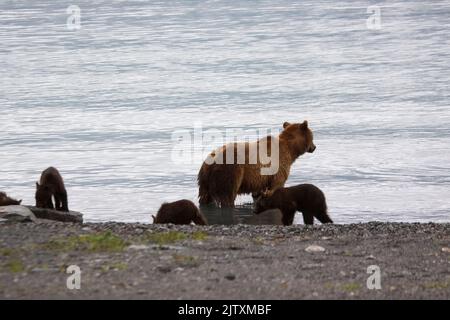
(146, 261)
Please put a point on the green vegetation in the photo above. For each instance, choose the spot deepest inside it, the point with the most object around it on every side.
(118, 266)
(6, 252)
(199, 235)
(258, 240)
(350, 287)
(98, 242)
(440, 285)
(162, 238)
(15, 266)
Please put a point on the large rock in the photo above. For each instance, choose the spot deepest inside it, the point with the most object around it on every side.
(49, 214)
(268, 217)
(17, 213)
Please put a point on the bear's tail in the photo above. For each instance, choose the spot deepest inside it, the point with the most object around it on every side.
(217, 183)
(204, 196)
(200, 219)
(323, 216)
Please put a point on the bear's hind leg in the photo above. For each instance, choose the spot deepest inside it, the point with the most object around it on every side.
(204, 199)
(230, 187)
(308, 218)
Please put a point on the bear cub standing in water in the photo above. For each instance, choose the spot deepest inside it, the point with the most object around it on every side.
(7, 201)
(306, 198)
(179, 212)
(51, 184)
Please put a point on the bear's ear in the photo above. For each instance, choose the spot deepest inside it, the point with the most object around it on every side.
(286, 124)
(37, 184)
(304, 125)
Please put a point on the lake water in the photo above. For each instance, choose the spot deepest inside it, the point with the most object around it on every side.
(101, 102)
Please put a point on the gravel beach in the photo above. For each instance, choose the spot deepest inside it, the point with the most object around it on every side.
(138, 261)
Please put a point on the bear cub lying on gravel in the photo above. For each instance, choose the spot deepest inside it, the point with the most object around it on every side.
(7, 201)
(179, 212)
(306, 198)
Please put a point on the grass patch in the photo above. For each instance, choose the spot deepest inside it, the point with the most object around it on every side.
(258, 240)
(440, 285)
(199, 235)
(350, 287)
(329, 285)
(119, 266)
(162, 238)
(98, 242)
(6, 252)
(15, 266)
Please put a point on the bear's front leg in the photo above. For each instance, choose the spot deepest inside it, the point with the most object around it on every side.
(277, 182)
(288, 216)
(308, 218)
(50, 203)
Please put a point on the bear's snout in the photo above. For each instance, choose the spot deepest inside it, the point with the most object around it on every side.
(311, 149)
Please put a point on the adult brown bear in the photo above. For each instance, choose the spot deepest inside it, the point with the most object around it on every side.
(241, 168)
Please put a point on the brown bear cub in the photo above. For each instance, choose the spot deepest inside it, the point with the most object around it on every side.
(7, 201)
(221, 179)
(51, 184)
(306, 198)
(179, 212)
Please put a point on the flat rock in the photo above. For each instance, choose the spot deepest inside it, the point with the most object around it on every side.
(50, 214)
(268, 217)
(17, 213)
(315, 248)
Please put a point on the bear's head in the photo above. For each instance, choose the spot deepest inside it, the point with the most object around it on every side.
(262, 202)
(7, 201)
(43, 195)
(299, 138)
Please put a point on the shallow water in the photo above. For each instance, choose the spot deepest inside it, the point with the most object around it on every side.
(101, 103)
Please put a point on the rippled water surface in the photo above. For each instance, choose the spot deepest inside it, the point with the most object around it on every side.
(101, 103)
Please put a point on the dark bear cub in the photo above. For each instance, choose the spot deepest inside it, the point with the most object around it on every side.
(7, 201)
(179, 212)
(51, 184)
(306, 198)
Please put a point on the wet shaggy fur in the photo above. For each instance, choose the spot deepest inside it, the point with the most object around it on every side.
(51, 185)
(306, 198)
(220, 183)
(7, 201)
(179, 212)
